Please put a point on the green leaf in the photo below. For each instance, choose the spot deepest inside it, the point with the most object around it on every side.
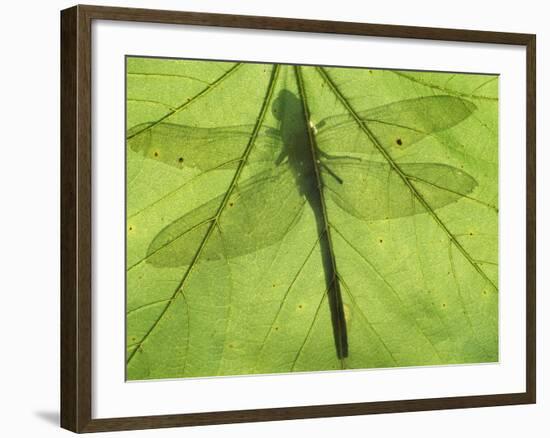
(291, 218)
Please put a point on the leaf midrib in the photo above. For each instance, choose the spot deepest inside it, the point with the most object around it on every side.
(333, 287)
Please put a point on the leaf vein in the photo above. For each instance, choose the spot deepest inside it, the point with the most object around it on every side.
(402, 175)
(238, 172)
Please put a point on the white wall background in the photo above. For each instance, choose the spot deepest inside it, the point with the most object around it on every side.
(29, 218)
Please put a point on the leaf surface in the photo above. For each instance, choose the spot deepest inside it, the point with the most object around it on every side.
(285, 218)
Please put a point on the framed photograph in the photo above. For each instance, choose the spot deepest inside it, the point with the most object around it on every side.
(268, 218)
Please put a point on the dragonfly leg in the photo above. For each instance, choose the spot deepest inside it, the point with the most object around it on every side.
(336, 157)
(331, 173)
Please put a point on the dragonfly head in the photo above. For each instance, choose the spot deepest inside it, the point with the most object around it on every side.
(286, 106)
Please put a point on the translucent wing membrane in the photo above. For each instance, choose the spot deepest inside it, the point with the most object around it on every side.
(262, 209)
(399, 124)
(202, 148)
(372, 191)
(259, 213)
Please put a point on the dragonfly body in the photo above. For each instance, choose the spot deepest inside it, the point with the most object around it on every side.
(302, 155)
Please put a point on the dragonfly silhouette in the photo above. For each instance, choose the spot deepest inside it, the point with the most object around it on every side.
(264, 207)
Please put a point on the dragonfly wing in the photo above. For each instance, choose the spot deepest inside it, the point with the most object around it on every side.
(258, 213)
(395, 125)
(202, 148)
(373, 191)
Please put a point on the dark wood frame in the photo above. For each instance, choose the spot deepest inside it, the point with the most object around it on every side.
(76, 219)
